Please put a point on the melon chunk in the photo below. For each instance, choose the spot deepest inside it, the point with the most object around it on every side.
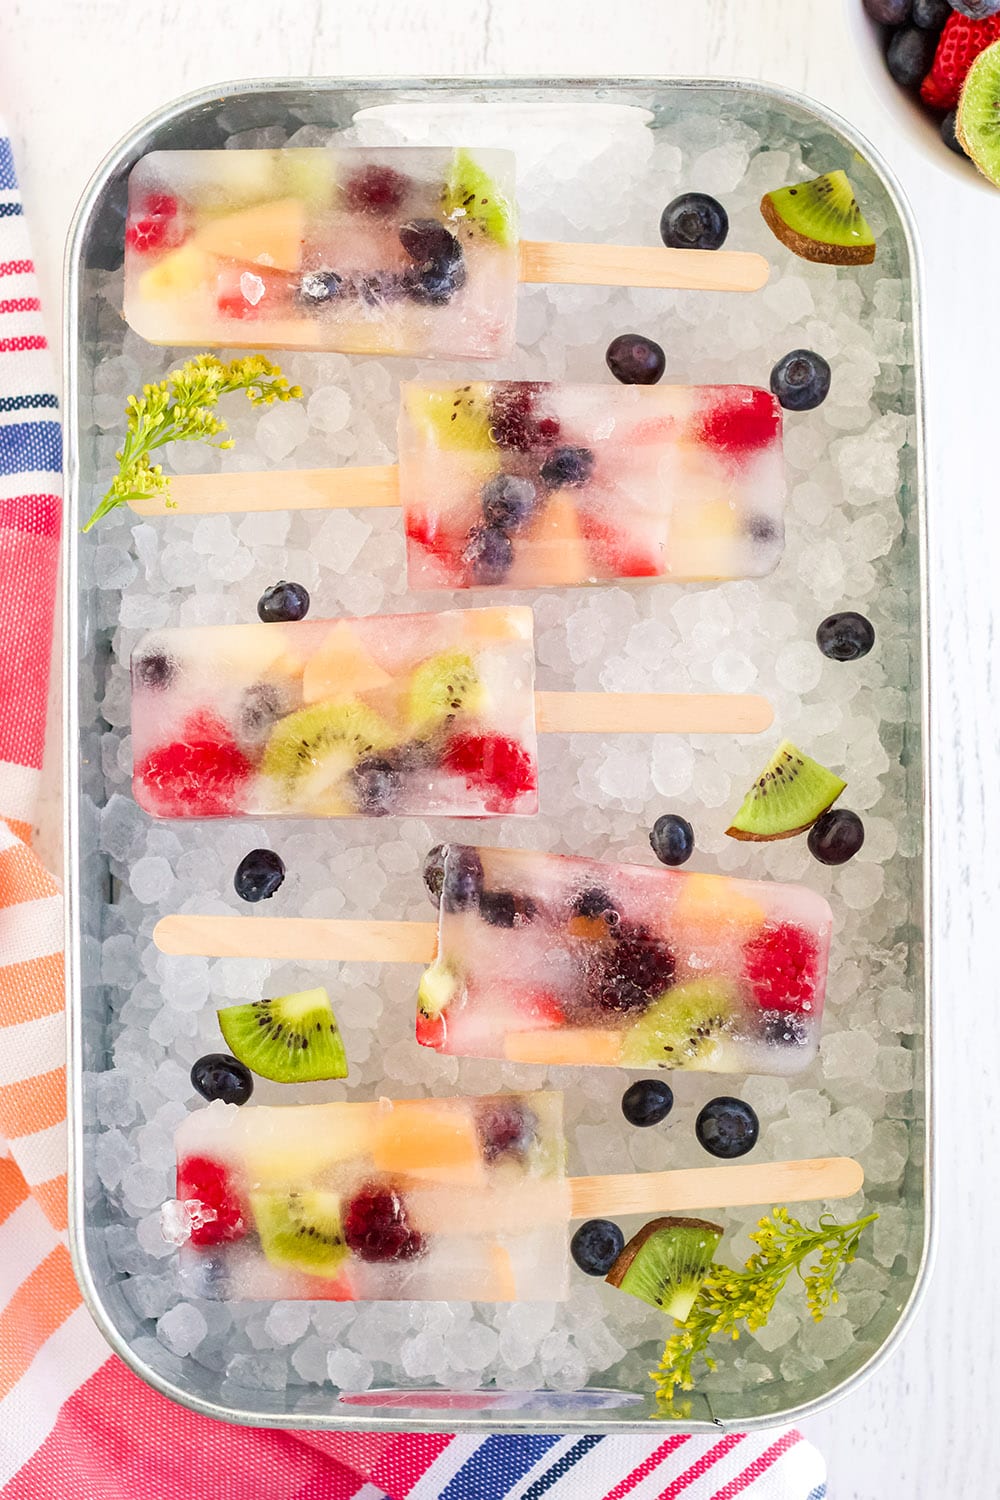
(269, 234)
(582, 1046)
(342, 668)
(555, 547)
(183, 270)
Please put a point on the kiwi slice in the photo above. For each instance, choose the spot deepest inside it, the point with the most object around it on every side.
(301, 1230)
(787, 797)
(821, 220)
(293, 1039)
(437, 987)
(978, 122)
(471, 195)
(442, 687)
(309, 751)
(683, 1028)
(451, 416)
(666, 1263)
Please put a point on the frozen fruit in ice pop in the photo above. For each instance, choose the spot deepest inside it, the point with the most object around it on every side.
(406, 714)
(397, 251)
(555, 960)
(520, 484)
(433, 1199)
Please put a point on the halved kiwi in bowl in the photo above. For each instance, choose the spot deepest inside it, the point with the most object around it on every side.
(978, 122)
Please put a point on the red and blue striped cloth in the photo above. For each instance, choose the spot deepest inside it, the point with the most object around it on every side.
(74, 1421)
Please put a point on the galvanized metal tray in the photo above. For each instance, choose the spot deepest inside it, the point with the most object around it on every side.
(203, 120)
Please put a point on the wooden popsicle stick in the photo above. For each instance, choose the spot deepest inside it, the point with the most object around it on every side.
(311, 939)
(652, 713)
(643, 265)
(357, 488)
(715, 1187)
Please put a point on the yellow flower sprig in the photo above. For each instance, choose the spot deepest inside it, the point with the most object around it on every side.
(181, 408)
(729, 1299)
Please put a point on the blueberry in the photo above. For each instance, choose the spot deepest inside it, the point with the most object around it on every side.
(568, 466)
(506, 1127)
(782, 1029)
(596, 1246)
(976, 10)
(727, 1127)
(261, 706)
(647, 1102)
(888, 12)
(219, 1076)
(156, 671)
(949, 133)
(508, 501)
(594, 902)
(764, 529)
(910, 54)
(846, 636)
(259, 874)
(505, 909)
(488, 554)
(836, 836)
(930, 15)
(317, 287)
(376, 785)
(694, 221)
(801, 380)
(463, 878)
(438, 271)
(671, 839)
(283, 601)
(433, 871)
(635, 360)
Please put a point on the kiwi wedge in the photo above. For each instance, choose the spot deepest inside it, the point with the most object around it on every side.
(302, 1230)
(978, 122)
(820, 220)
(308, 752)
(452, 417)
(786, 798)
(685, 1027)
(666, 1263)
(293, 1039)
(471, 195)
(442, 687)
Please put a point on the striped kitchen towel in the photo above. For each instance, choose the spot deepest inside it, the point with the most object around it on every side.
(74, 1421)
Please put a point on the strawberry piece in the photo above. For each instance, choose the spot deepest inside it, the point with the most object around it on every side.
(539, 1006)
(959, 45)
(422, 530)
(199, 775)
(782, 964)
(617, 553)
(206, 1182)
(738, 420)
(492, 761)
(432, 1031)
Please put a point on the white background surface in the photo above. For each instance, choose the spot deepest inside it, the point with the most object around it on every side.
(76, 74)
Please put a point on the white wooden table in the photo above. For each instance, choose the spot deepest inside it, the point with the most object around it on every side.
(75, 74)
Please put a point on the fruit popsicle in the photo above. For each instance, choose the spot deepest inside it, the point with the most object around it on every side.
(424, 1199)
(456, 1199)
(525, 484)
(549, 959)
(397, 250)
(519, 485)
(406, 714)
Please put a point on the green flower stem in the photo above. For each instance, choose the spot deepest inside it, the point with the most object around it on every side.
(181, 408)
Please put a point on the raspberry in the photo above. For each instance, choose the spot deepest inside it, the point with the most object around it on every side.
(513, 424)
(739, 420)
(200, 775)
(155, 228)
(160, 206)
(959, 45)
(375, 189)
(491, 760)
(206, 1182)
(633, 969)
(144, 235)
(506, 1127)
(782, 964)
(376, 1226)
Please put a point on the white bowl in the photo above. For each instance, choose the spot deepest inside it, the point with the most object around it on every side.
(919, 125)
